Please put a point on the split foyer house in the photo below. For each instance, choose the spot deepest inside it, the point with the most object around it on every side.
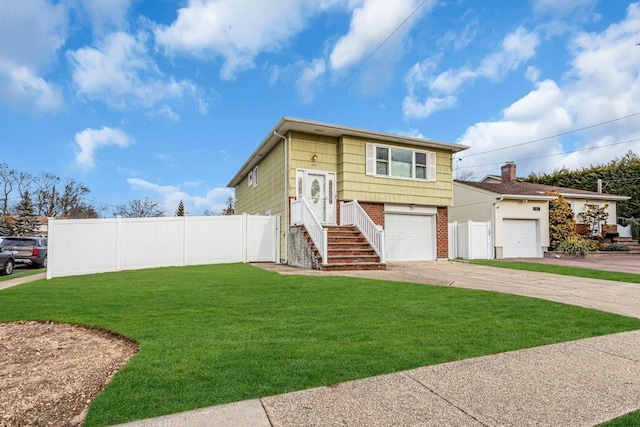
(519, 211)
(349, 198)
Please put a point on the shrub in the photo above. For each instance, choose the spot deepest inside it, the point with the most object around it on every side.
(575, 245)
(616, 247)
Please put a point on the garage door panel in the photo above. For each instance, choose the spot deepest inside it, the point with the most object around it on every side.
(409, 237)
(520, 238)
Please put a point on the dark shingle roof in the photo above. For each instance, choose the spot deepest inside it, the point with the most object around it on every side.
(520, 188)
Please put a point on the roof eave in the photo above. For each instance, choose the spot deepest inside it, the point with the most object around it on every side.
(288, 124)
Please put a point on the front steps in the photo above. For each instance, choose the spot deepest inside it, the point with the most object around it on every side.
(347, 250)
(633, 245)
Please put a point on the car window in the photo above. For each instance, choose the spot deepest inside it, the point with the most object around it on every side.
(18, 242)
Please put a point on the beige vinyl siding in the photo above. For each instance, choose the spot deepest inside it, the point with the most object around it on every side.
(353, 183)
(519, 209)
(471, 204)
(302, 146)
(269, 194)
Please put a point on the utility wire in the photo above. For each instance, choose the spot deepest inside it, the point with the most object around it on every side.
(356, 70)
(529, 159)
(552, 136)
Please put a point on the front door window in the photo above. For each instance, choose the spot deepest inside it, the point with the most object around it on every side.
(317, 187)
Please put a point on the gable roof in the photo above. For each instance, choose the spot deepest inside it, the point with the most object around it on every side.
(519, 189)
(288, 124)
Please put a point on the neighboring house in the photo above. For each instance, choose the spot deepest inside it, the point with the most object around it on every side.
(404, 184)
(519, 211)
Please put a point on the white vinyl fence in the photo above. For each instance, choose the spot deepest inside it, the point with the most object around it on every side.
(470, 240)
(624, 231)
(85, 246)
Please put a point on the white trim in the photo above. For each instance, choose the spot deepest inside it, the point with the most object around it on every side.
(371, 162)
(409, 210)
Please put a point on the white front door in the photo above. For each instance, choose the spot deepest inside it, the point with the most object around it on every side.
(318, 189)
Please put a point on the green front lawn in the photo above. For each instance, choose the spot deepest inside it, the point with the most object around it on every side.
(561, 269)
(215, 334)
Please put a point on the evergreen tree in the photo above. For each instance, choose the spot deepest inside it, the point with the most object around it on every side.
(180, 210)
(562, 223)
(26, 221)
(230, 209)
(620, 176)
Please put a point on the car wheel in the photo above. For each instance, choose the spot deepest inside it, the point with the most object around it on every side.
(8, 268)
(44, 263)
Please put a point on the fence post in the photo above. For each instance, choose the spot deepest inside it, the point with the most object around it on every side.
(118, 242)
(244, 237)
(276, 238)
(185, 257)
(50, 259)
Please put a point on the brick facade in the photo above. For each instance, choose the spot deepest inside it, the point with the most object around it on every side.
(373, 209)
(442, 233)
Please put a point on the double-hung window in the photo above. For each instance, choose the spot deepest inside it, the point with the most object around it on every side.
(404, 163)
(252, 178)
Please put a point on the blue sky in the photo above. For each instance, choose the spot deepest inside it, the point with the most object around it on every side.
(167, 99)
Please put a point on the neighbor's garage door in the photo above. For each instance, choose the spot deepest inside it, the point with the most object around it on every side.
(520, 238)
(409, 237)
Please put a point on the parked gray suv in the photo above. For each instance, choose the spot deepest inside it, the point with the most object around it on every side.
(29, 250)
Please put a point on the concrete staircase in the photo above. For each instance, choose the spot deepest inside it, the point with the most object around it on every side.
(632, 244)
(347, 250)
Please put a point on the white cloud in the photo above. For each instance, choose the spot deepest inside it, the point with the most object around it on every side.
(169, 196)
(236, 30)
(308, 81)
(90, 140)
(602, 84)
(411, 107)
(377, 27)
(105, 14)
(121, 73)
(563, 8)
(31, 33)
(516, 48)
(371, 24)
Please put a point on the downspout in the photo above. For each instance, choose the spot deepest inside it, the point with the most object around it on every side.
(286, 195)
(493, 224)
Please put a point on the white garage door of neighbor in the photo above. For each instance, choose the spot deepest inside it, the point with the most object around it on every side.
(520, 238)
(409, 237)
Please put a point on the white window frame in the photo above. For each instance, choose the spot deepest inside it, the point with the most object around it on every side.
(252, 177)
(371, 163)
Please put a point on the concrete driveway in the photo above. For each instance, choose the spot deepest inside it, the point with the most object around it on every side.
(614, 297)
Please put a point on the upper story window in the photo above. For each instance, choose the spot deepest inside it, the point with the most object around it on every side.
(252, 178)
(383, 160)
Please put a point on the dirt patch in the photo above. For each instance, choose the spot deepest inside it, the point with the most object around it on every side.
(50, 372)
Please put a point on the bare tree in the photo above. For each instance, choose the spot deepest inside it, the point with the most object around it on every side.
(139, 209)
(464, 175)
(45, 195)
(12, 180)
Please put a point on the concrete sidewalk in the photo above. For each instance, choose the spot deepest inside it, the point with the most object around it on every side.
(22, 279)
(577, 383)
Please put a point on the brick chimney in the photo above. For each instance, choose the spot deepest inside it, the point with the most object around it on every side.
(508, 172)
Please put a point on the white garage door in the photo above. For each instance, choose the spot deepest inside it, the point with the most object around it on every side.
(409, 237)
(520, 238)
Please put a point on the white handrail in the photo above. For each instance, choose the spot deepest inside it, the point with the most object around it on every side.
(351, 213)
(301, 214)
